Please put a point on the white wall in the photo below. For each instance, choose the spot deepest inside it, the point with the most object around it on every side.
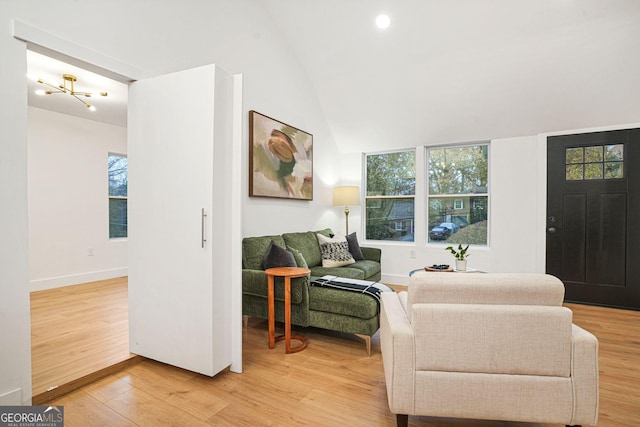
(15, 351)
(239, 36)
(514, 243)
(68, 200)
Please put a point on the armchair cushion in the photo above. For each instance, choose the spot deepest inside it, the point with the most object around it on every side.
(493, 339)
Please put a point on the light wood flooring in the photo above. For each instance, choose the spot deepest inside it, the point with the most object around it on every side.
(331, 383)
(77, 331)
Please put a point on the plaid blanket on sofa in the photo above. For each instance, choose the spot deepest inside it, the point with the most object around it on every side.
(372, 289)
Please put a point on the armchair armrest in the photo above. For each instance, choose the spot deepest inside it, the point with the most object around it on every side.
(371, 254)
(398, 354)
(584, 374)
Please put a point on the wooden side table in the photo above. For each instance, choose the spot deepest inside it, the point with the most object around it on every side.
(288, 273)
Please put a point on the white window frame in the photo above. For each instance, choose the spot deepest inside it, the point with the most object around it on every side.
(401, 196)
(456, 197)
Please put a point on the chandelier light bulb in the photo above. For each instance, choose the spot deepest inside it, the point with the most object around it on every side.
(40, 92)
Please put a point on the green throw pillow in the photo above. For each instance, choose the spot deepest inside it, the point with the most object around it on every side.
(297, 255)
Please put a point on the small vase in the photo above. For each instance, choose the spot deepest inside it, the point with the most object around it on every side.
(461, 264)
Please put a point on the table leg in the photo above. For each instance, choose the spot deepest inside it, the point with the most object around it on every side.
(272, 313)
(287, 313)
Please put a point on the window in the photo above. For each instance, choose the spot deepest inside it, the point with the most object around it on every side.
(594, 162)
(390, 193)
(458, 192)
(117, 195)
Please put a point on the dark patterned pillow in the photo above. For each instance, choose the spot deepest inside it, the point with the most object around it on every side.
(354, 247)
(277, 256)
(335, 251)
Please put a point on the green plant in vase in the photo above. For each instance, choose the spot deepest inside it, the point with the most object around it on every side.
(460, 255)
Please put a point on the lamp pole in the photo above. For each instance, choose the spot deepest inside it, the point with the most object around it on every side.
(346, 216)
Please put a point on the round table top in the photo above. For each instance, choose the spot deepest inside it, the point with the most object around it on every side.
(287, 271)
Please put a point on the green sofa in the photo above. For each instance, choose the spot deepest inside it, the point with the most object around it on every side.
(325, 308)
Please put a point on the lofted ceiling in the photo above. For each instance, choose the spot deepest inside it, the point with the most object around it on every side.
(444, 71)
(465, 70)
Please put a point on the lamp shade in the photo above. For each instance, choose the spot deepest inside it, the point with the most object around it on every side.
(346, 196)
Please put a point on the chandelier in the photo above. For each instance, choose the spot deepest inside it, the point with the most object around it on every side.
(70, 79)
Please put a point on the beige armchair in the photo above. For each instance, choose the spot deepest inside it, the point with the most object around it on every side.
(487, 346)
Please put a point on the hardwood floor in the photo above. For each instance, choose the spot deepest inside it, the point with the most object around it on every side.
(77, 331)
(331, 383)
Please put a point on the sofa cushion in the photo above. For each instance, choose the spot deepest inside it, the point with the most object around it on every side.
(278, 256)
(347, 303)
(307, 244)
(254, 249)
(369, 268)
(335, 251)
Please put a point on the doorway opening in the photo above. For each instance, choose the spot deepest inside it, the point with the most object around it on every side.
(72, 258)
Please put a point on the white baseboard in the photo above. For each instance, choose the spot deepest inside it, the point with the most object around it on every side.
(76, 279)
(11, 398)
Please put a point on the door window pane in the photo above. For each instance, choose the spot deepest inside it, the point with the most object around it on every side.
(575, 172)
(593, 154)
(593, 171)
(594, 162)
(574, 155)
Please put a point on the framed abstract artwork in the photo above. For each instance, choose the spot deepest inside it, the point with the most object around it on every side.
(280, 159)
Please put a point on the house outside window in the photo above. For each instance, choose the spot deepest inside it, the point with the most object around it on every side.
(390, 195)
(458, 192)
(118, 177)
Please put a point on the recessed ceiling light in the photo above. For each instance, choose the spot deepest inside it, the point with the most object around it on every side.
(383, 21)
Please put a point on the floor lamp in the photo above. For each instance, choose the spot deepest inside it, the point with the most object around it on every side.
(346, 196)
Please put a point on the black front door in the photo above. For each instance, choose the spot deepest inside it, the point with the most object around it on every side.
(593, 216)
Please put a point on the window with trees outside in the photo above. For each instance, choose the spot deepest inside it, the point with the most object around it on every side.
(390, 195)
(458, 194)
(117, 195)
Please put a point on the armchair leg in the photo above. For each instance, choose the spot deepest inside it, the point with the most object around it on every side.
(367, 342)
(402, 420)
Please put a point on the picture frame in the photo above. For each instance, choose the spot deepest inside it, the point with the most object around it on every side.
(280, 159)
